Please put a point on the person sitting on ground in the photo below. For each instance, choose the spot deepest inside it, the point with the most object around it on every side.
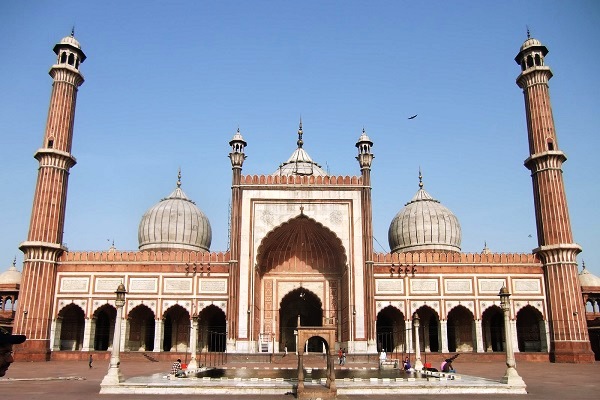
(406, 365)
(6, 349)
(447, 366)
(176, 367)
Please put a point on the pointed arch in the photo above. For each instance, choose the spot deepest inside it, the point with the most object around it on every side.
(72, 326)
(531, 330)
(212, 329)
(176, 329)
(461, 329)
(492, 320)
(391, 330)
(301, 244)
(430, 334)
(141, 328)
(103, 321)
(300, 304)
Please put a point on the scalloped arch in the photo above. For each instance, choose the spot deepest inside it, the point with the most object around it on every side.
(67, 303)
(300, 244)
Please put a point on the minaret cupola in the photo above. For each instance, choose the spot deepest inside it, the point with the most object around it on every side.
(69, 51)
(531, 54)
(238, 145)
(364, 144)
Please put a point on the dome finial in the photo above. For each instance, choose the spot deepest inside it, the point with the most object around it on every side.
(528, 33)
(300, 142)
(179, 178)
(583, 264)
(73, 31)
(15, 263)
(420, 178)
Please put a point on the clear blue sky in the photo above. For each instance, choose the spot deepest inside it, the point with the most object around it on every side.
(168, 83)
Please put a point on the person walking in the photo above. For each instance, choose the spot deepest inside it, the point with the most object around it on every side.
(90, 361)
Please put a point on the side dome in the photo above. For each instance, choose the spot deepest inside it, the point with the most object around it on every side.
(11, 277)
(587, 279)
(424, 224)
(175, 223)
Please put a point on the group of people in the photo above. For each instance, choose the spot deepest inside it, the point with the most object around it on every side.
(342, 356)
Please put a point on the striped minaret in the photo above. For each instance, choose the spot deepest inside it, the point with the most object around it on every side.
(569, 341)
(45, 239)
(365, 159)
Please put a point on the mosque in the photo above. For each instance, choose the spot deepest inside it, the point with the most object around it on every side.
(301, 253)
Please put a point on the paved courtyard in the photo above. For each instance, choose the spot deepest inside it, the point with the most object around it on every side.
(63, 380)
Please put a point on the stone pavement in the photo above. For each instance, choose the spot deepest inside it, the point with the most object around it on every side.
(64, 380)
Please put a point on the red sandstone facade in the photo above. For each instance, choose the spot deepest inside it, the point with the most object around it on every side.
(301, 249)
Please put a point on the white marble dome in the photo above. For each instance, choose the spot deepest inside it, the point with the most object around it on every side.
(424, 224)
(586, 278)
(175, 223)
(530, 42)
(300, 162)
(10, 277)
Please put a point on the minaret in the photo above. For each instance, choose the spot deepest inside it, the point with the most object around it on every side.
(569, 341)
(365, 159)
(45, 239)
(237, 158)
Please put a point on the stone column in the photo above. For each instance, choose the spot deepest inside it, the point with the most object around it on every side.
(124, 334)
(515, 340)
(158, 335)
(444, 335)
(479, 336)
(408, 340)
(55, 334)
(193, 364)
(416, 324)
(87, 333)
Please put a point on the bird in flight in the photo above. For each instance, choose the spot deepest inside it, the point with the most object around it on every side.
(413, 117)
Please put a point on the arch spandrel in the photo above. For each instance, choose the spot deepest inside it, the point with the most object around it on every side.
(485, 305)
(521, 304)
(185, 304)
(132, 304)
(398, 305)
(97, 304)
(202, 305)
(450, 305)
(63, 303)
(434, 306)
(301, 245)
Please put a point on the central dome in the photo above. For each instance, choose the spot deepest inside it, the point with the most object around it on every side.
(424, 224)
(300, 162)
(175, 223)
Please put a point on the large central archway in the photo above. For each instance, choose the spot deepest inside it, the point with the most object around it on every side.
(301, 270)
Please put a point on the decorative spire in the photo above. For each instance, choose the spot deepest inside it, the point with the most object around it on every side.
(300, 142)
(73, 31)
(15, 263)
(528, 33)
(583, 264)
(420, 178)
(179, 178)
(485, 248)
